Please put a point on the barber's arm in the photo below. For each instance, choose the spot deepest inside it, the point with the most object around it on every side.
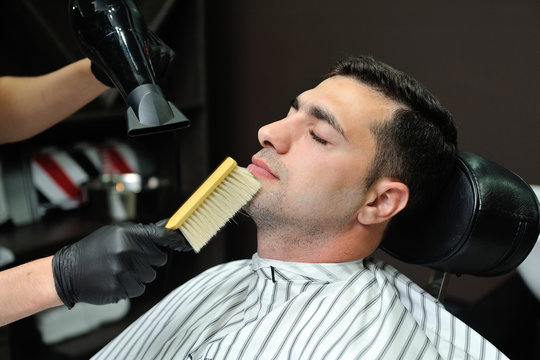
(114, 262)
(27, 289)
(29, 105)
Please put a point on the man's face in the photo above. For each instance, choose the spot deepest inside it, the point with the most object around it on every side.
(313, 162)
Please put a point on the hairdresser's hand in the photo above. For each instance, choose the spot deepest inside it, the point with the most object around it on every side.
(161, 56)
(114, 262)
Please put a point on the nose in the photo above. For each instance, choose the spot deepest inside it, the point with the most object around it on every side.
(275, 135)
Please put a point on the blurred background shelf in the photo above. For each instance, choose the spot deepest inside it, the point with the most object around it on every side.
(37, 38)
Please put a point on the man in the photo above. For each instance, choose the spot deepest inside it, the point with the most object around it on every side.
(351, 154)
(116, 261)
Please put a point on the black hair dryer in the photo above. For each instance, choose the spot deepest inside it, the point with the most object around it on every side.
(113, 34)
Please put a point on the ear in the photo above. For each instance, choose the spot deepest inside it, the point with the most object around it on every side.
(384, 199)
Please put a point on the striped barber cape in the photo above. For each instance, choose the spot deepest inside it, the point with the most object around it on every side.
(267, 309)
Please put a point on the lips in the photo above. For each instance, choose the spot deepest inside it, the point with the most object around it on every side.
(259, 168)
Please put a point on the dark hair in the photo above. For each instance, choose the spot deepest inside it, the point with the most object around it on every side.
(418, 145)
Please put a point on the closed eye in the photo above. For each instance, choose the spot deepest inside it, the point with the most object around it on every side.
(317, 138)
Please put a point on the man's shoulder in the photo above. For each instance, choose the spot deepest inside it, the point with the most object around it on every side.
(387, 274)
(227, 267)
(381, 267)
(226, 274)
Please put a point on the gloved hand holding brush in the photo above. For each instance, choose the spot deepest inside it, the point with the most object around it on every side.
(112, 263)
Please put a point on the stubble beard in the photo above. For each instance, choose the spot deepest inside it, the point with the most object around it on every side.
(284, 225)
(271, 214)
(262, 209)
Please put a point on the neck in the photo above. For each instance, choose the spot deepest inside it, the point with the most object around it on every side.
(287, 245)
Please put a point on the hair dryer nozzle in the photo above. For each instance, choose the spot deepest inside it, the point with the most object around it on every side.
(149, 112)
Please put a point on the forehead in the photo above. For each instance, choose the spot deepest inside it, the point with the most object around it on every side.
(352, 103)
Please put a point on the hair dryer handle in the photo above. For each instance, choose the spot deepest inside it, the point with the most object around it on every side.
(112, 34)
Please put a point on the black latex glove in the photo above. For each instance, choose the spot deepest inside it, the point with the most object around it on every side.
(112, 263)
(161, 56)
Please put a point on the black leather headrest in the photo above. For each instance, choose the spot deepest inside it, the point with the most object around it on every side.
(485, 222)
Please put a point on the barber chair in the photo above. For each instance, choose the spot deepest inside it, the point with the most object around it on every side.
(484, 223)
(529, 269)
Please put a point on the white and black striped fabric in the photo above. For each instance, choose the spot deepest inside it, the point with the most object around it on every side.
(267, 309)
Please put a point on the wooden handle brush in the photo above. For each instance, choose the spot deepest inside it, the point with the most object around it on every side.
(221, 196)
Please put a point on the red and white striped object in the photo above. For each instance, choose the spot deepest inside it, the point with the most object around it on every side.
(118, 158)
(58, 177)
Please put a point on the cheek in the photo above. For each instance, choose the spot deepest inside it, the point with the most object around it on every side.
(325, 199)
(327, 177)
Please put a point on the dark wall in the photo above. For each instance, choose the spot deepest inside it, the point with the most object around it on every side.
(480, 58)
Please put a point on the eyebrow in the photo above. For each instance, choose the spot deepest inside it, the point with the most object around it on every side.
(321, 113)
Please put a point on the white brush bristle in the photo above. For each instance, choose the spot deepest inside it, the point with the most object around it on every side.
(221, 205)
